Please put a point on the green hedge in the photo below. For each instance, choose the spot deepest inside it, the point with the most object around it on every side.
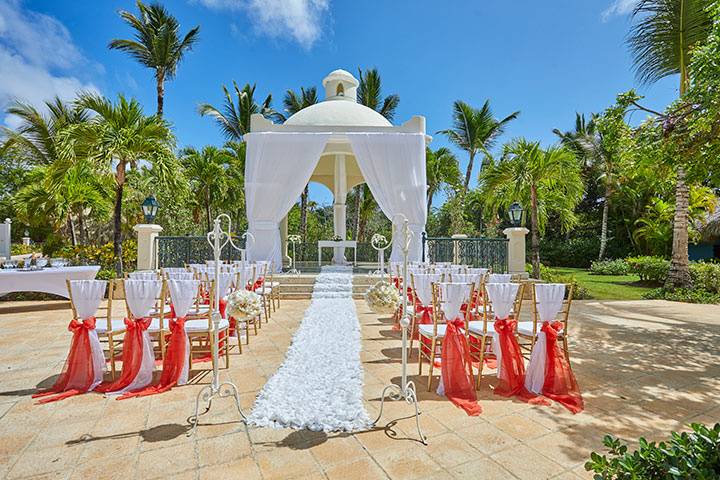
(550, 275)
(649, 269)
(609, 267)
(577, 252)
(694, 455)
(101, 255)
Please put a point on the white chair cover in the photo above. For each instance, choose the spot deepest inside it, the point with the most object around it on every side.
(479, 271)
(143, 275)
(549, 301)
(141, 296)
(499, 278)
(184, 275)
(423, 286)
(453, 297)
(182, 295)
(501, 296)
(224, 282)
(87, 296)
(467, 278)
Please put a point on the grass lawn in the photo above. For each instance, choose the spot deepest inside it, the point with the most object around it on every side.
(608, 287)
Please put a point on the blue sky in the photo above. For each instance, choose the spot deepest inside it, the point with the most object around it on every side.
(546, 59)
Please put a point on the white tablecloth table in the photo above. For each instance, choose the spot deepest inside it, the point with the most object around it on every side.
(333, 244)
(48, 280)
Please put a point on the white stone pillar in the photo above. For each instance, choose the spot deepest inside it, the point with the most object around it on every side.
(339, 207)
(5, 251)
(516, 250)
(146, 251)
(283, 241)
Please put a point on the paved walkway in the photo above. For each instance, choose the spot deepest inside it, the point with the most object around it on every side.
(646, 368)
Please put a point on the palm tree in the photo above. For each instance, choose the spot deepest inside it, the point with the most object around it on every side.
(234, 120)
(544, 181)
(157, 43)
(661, 42)
(475, 131)
(206, 170)
(118, 137)
(588, 143)
(293, 103)
(369, 94)
(442, 171)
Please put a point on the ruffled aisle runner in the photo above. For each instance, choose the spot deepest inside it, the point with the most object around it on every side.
(320, 384)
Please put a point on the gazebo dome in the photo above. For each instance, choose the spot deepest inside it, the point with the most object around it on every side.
(340, 107)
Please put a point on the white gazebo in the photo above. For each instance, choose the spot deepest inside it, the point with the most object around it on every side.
(339, 143)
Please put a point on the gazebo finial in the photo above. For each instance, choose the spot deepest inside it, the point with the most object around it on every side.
(340, 85)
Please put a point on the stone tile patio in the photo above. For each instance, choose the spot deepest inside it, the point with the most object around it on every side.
(646, 368)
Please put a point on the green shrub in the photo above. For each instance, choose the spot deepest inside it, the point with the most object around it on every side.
(687, 295)
(706, 276)
(550, 275)
(577, 252)
(21, 249)
(101, 255)
(52, 245)
(650, 269)
(694, 455)
(609, 267)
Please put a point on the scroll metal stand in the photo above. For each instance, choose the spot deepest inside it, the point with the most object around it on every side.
(406, 390)
(217, 238)
(293, 239)
(380, 244)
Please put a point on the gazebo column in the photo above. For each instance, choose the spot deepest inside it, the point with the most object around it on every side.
(283, 240)
(339, 207)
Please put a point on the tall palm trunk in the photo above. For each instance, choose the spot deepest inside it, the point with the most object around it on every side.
(117, 218)
(603, 227)
(356, 220)
(303, 212)
(160, 85)
(82, 226)
(679, 275)
(429, 200)
(208, 214)
(534, 236)
(71, 230)
(468, 174)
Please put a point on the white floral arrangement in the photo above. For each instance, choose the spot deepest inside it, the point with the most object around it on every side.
(336, 238)
(382, 298)
(294, 238)
(379, 241)
(244, 304)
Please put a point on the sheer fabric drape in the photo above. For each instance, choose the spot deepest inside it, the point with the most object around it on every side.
(393, 165)
(277, 168)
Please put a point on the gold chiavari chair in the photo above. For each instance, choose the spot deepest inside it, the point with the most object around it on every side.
(158, 312)
(435, 333)
(480, 332)
(199, 327)
(528, 330)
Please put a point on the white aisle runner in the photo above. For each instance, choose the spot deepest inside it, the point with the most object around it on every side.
(320, 384)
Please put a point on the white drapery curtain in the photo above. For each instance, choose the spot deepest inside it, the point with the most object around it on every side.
(277, 168)
(393, 165)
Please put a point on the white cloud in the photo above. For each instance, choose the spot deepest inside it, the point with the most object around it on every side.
(37, 56)
(300, 20)
(619, 7)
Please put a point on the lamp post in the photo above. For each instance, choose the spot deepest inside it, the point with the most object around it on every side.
(406, 390)
(217, 239)
(150, 208)
(515, 212)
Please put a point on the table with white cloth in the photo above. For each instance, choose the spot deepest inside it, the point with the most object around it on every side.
(341, 244)
(47, 280)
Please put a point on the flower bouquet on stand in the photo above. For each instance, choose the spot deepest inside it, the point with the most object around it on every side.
(382, 298)
(244, 306)
(336, 238)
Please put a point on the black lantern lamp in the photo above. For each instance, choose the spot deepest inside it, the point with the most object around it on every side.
(516, 212)
(150, 208)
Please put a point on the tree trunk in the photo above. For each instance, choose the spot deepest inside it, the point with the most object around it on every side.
(208, 215)
(468, 174)
(534, 237)
(71, 230)
(679, 275)
(356, 219)
(603, 227)
(160, 79)
(303, 212)
(117, 230)
(82, 227)
(429, 200)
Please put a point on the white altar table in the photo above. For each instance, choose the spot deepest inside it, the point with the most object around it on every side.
(333, 244)
(48, 280)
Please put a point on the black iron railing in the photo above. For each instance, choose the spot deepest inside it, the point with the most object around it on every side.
(477, 252)
(179, 251)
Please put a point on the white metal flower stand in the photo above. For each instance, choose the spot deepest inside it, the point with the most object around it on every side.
(293, 239)
(380, 244)
(217, 238)
(406, 390)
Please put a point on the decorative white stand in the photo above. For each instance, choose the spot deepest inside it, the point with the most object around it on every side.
(217, 239)
(406, 390)
(380, 244)
(293, 239)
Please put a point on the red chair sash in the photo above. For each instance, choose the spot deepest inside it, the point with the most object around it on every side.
(131, 357)
(512, 367)
(457, 376)
(560, 383)
(78, 372)
(258, 283)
